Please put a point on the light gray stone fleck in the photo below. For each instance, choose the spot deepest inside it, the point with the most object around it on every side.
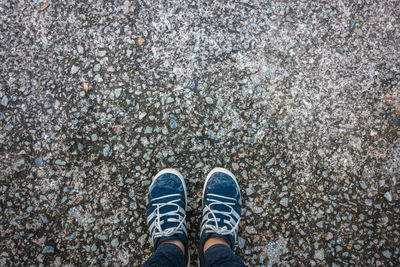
(148, 130)
(4, 100)
(97, 67)
(388, 196)
(387, 253)
(118, 92)
(235, 166)
(209, 100)
(170, 100)
(284, 201)
(115, 242)
(74, 69)
(102, 53)
(250, 229)
(319, 254)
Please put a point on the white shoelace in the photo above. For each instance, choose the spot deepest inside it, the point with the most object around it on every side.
(211, 224)
(159, 232)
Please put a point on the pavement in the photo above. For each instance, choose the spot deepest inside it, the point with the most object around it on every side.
(299, 99)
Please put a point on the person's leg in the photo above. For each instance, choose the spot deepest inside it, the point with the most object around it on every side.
(166, 255)
(221, 256)
(166, 213)
(222, 203)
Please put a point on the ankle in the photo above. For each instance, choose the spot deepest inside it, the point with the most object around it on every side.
(214, 241)
(177, 243)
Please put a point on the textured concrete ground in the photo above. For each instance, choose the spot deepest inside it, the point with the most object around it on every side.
(300, 99)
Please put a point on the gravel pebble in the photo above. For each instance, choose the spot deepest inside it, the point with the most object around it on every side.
(209, 100)
(284, 202)
(48, 249)
(115, 242)
(94, 137)
(319, 255)
(38, 162)
(74, 69)
(388, 196)
(102, 53)
(4, 101)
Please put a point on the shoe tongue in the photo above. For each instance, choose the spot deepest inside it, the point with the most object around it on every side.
(168, 208)
(222, 207)
(158, 192)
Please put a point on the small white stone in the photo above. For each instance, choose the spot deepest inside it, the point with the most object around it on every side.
(118, 92)
(250, 229)
(142, 115)
(319, 254)
(102, 53)
(284, 202)
(4, 101)
(144, 141)
(388, 196)
(80, 49)
(74, 69)
(170, 100)
(209, 100)
(235, 166)
(329, 236)
(98, 78)
(96, 67)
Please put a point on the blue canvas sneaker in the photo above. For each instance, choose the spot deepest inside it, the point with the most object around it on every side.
(166, 209)
(222, 203)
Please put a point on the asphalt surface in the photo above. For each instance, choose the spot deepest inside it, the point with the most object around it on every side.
(299, 99)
